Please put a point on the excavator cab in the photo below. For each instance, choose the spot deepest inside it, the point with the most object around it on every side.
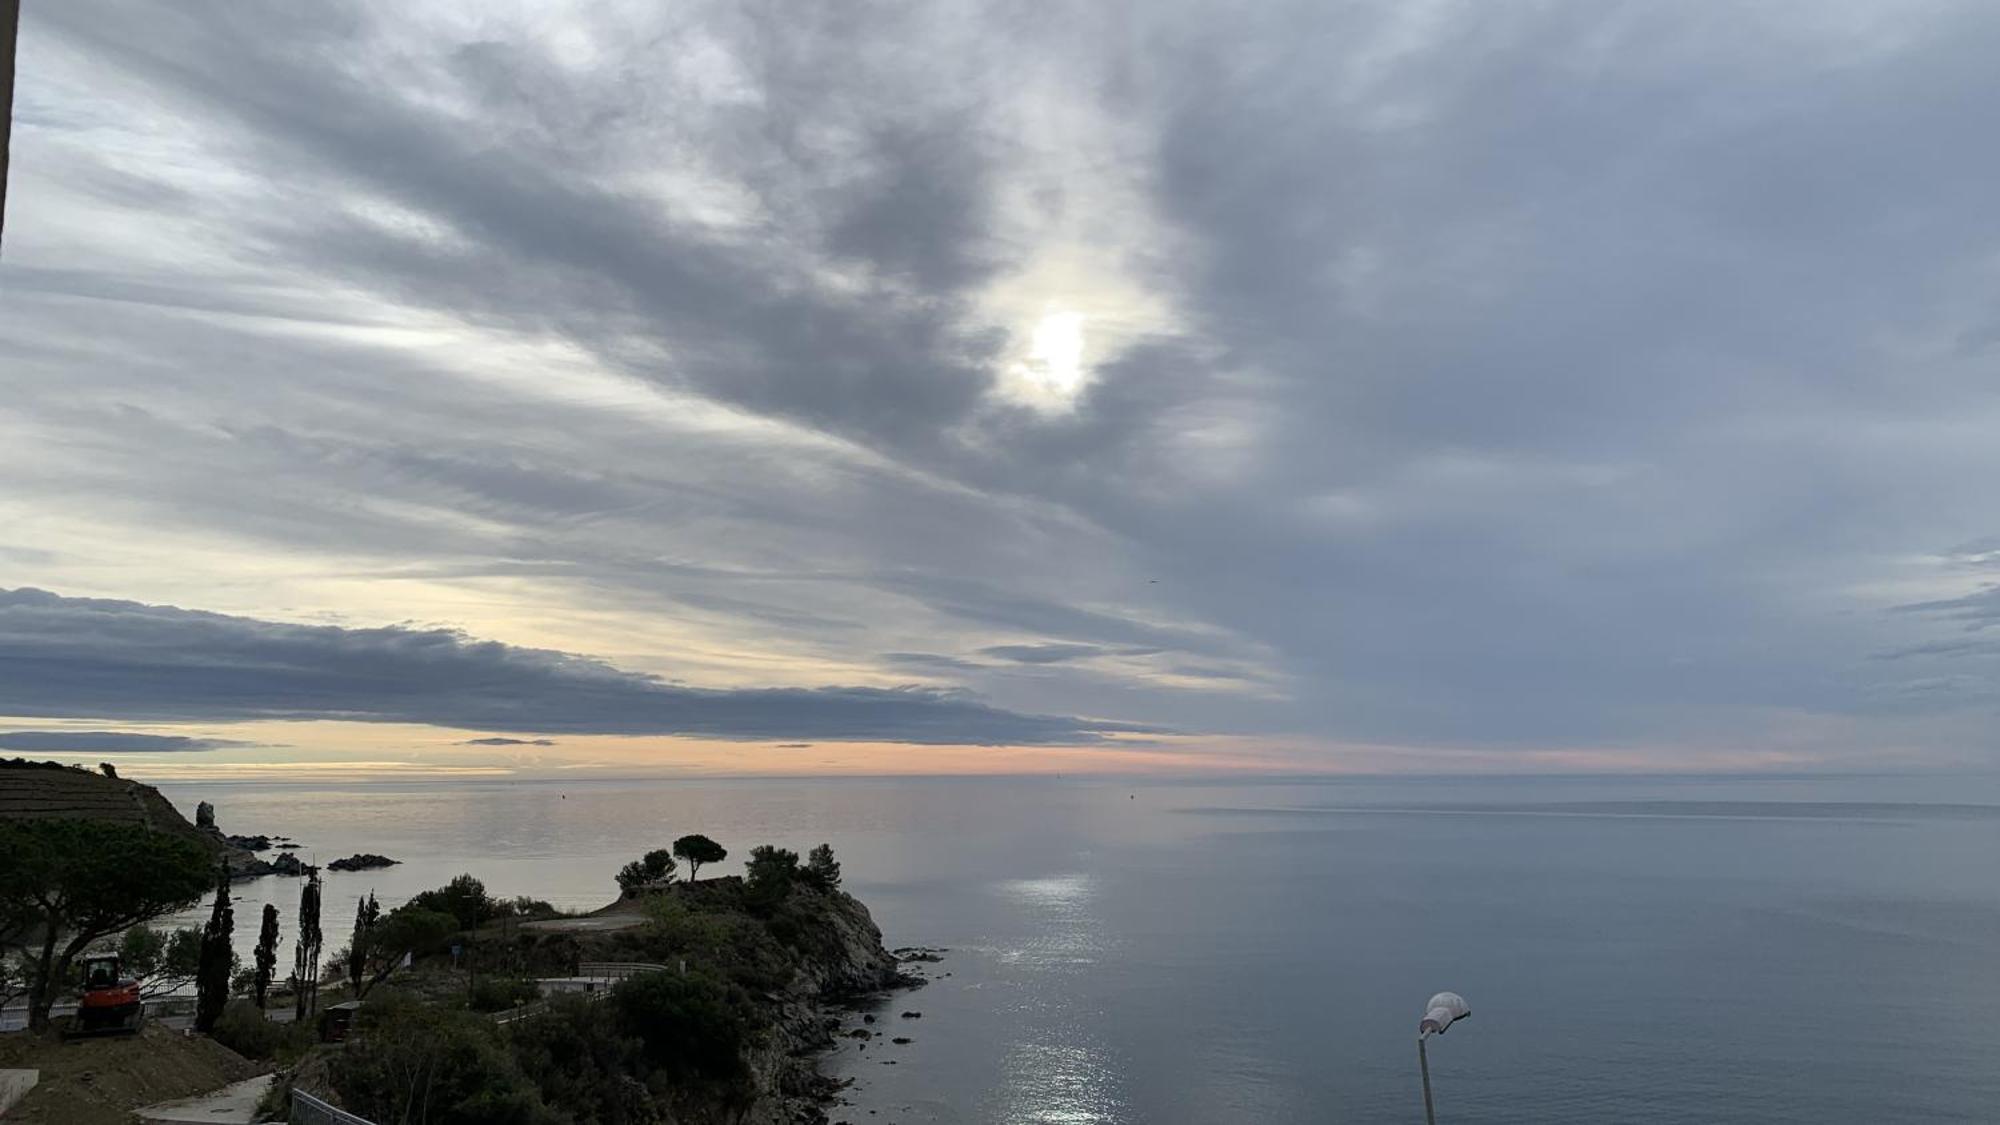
(110, 1003)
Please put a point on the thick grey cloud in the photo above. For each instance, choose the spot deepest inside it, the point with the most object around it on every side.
(107, 742)
(501, 741)
(1575, 373)
(102, 658)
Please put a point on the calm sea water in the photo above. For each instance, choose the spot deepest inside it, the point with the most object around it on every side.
(1687, 950)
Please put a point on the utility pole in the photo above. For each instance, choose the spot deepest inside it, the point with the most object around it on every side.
(10, 30)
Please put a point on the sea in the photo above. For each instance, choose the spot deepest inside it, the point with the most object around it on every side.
(1664, 949)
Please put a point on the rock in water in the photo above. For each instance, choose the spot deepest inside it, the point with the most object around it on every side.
(363, 862)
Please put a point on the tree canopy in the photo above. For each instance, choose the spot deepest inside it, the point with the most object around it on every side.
(656, 866)
(407, 931)
(771, 873)
(697, 849)
(822, 871)
(464, 898)
(164, 961)
(66, 883)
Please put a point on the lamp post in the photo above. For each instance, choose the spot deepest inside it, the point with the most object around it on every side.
(1444, 1009)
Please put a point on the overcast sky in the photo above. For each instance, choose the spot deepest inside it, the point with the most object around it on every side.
(931, 385)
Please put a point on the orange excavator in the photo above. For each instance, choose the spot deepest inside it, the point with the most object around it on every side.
(111, 1004)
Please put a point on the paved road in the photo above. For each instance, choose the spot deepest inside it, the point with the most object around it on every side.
(596, 923)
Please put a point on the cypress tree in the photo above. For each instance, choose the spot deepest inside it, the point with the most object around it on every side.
(366, 912)
(212, 971)
(267, 954)
(305, 955)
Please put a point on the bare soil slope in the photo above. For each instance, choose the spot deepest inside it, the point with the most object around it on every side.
(101, 1081)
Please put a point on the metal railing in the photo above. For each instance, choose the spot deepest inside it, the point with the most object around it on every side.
(308, 1110)
(617, 970)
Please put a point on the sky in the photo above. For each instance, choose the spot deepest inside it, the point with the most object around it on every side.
(745, 387)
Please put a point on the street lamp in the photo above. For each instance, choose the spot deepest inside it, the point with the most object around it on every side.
(1445, 1009)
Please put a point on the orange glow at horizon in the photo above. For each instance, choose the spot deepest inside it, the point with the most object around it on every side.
(365, 751)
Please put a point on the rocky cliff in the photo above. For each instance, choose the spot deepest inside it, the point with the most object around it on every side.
(727, 1032)
(802, 959)
(844, 962)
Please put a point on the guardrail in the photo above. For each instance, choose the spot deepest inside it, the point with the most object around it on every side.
(617, 970)
(15, 1018)
(516, 1015)
(308, 1110)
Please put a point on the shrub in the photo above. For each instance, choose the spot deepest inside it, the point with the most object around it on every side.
(674, 928)
(582, 1064)
(719, 941)
(242, 1028)
(414, 1063)
(497, 994)
(690, 1026)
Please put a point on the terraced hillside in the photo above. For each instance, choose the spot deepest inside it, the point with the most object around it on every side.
(47, 790)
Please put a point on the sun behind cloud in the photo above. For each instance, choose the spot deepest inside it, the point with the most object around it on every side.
(1053, 372)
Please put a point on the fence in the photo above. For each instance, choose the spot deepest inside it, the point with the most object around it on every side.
(617, 970)
(308, 1110)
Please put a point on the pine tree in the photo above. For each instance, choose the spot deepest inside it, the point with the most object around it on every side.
(212, 975)
(305, 955)
(697, 850)
(822, 870)
(267, 954)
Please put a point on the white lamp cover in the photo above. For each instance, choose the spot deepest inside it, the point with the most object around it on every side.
(1445, 1009)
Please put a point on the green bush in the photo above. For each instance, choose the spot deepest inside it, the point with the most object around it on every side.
(583, 1064)
(711, 933)
(678, 929)
(690, 1026)
(242, 1028)
(497, 994)
(442, 1067)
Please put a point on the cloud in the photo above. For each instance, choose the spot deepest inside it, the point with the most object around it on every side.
(1976, 611)
(929, 661)
(1508, 375)
(101, 658)
(106, 742)
(1051, 653)
(499, 741)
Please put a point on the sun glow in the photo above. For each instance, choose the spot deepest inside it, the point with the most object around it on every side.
(1052, 372)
